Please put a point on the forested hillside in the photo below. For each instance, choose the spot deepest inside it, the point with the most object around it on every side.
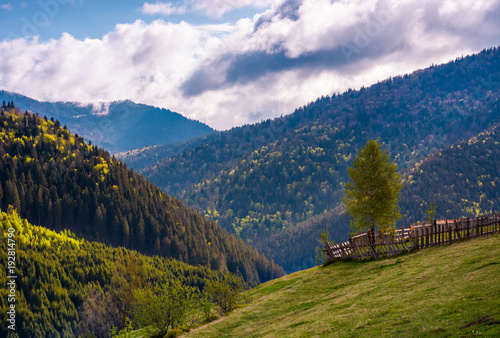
(258, 179)
(56, 180)
(463, 180)
(149, 157)
(52, 270)
(116, 126)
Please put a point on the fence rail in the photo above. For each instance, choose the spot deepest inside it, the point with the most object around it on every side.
(417, 236)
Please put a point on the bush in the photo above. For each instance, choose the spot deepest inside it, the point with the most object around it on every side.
(225, 293)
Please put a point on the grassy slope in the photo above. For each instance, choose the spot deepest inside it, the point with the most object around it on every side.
(436, 291)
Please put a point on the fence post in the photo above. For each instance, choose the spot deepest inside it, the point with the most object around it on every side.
(411, 237)
(447, 229)
(468, 227)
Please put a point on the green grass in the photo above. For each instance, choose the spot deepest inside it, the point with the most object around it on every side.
(449, 291)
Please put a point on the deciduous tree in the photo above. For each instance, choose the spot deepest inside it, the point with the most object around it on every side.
(373, 190)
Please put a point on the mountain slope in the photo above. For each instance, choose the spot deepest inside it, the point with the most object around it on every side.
(463, 180)
(442, 291)
(116, 126)
(258, 179)
(58, 181)
(141, 159)
(53, 268)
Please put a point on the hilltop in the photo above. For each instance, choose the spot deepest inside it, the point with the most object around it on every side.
(116, 126)
(442, 291)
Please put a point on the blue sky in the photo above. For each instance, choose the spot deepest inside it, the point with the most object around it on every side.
(92, 18)
(228, 63)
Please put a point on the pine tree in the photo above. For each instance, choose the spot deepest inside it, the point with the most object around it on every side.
(11, 196)
(373, 190)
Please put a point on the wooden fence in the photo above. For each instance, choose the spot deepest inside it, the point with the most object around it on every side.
(373, 246)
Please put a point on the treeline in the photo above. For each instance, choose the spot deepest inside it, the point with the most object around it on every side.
(463, 180)
(54, 270)
(294, 246)
(143, 158)
(57, 180)
(257, 179)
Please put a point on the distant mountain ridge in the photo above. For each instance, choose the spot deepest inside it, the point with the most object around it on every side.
(116, 126)
(258, 180)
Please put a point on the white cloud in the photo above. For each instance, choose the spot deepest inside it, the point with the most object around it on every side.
(217, 8)
(163, 8)
(261, 67)
(211, 8)
(7, 6)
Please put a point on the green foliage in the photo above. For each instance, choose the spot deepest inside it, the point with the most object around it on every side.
(165, 307)
(323, 237)
(445, 291)
(320, 255)
(128, 328)
(431, 212)
(260, 180)
(128, 276)
(463, 180)
(54, 179)
(225, 293)
(58, 274)
(373, 190)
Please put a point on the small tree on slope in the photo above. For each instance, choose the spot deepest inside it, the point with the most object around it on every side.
(373, 190)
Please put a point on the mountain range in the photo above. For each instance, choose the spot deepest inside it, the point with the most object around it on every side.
(252, 200)
(258, 181)
(115, 126)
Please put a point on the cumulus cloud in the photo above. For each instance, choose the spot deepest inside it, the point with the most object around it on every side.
(319, 34)
(257, 68)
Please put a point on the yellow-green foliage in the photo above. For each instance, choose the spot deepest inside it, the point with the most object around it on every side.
(102, 168)
(32, 236)
(52, 269)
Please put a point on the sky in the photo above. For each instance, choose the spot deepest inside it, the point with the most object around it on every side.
(229, 62)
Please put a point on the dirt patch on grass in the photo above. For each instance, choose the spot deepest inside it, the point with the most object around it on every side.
(482, 320)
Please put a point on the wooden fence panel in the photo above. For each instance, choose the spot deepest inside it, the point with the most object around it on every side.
(418, 236)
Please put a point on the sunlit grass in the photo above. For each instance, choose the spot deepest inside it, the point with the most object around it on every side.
(445, 291)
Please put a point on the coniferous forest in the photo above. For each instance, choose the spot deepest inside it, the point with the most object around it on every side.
(56, 180)
(259, 180)
(54, 271)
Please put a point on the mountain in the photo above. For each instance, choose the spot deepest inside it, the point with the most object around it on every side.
(446, 291)
(52, 270)
(258, 180)
(56, 180)
(143, 158)
(116, 126)
(463, 180)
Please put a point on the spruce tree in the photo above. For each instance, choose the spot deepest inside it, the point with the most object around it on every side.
(373, 190)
